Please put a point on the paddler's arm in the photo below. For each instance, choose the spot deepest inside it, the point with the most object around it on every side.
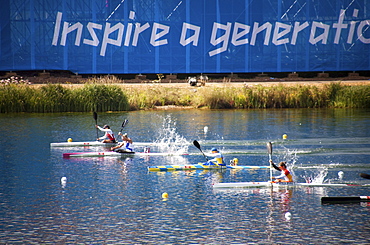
(103, 129)
(118, 146)
(274, 166)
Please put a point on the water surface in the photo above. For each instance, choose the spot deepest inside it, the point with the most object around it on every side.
(116, 200)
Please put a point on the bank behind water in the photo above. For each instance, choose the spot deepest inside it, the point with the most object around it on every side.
(95, 96)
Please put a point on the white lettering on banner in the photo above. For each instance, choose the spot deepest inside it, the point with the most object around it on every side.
(67, 29)
(352, 27)
(296, 30)
(95, 41)
(267, 26)
(108, 30)
(129, 29)
(155, 35)
(278, 35)
(193, 38)
(128, 34)
(222, 39)
(322, 37)
(351, 31)
(236, 33)
(139, 29)
(57, 29)
(360, 31)
(339, 26)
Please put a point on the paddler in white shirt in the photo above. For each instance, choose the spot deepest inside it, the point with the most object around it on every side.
(285, 176)
(217, 158)
(108, 136)
(125, 146)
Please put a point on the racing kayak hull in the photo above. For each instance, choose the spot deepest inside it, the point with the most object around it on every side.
(117, 154)
(199, 166)
(247, 167)
(94, 143)
(184, 167)
(277, 185)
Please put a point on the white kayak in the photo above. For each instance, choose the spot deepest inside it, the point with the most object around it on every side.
(200, 166)
(94, 143)
(279, 185)
(117, 154)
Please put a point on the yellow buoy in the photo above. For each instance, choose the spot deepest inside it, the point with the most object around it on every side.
(285, 136)
(165, 195)
(69, 140)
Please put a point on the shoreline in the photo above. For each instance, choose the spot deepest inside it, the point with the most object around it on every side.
(110, 94)
(221, 84)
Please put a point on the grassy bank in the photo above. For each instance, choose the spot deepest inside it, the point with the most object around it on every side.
(95, 96)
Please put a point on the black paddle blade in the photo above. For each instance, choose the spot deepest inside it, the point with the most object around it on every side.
(124, 123)
(197, 145)
(366, 176)
(269, 148)
(95, 115)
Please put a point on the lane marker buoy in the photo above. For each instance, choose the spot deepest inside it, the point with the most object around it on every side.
(164, 195)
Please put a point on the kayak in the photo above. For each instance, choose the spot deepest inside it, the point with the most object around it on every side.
(247, 167)
(184, 167)
(200, 166)
(279, 185)
(86, 143)
(117, 154)
(94, 143)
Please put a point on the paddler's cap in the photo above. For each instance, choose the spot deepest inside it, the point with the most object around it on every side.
(106, 126)
(214, 149)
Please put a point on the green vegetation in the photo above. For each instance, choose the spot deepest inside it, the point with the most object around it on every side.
(96, 96)
(57, 98)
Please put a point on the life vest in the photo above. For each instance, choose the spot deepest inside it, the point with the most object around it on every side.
(111, 137)
(288, 175)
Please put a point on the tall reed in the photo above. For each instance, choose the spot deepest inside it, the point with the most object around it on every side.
(56, 98)
(154, 95)
(108, 97)
(100, 97)
(14, 98)
(279, 96)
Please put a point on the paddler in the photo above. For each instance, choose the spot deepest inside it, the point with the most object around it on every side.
(285, 176)
(125, 146)
(217, 158)
(108, 136)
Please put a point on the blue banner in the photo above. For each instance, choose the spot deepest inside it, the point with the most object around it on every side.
(192, 36)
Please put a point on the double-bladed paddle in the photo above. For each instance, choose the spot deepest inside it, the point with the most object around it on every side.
(123, 125)
(197, 145)
(95, 115)
(269, 150)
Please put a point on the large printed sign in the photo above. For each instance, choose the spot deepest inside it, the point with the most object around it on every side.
(193, 37)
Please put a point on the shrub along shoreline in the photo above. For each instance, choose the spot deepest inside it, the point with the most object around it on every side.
(95, 96)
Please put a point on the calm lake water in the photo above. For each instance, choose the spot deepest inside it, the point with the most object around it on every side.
(117, 201)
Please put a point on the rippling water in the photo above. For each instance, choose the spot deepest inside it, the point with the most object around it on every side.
(117, 201)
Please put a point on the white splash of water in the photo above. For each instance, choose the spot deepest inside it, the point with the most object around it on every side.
(169, 140)
(318, 177)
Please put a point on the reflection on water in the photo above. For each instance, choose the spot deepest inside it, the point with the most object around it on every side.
(111, 200)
